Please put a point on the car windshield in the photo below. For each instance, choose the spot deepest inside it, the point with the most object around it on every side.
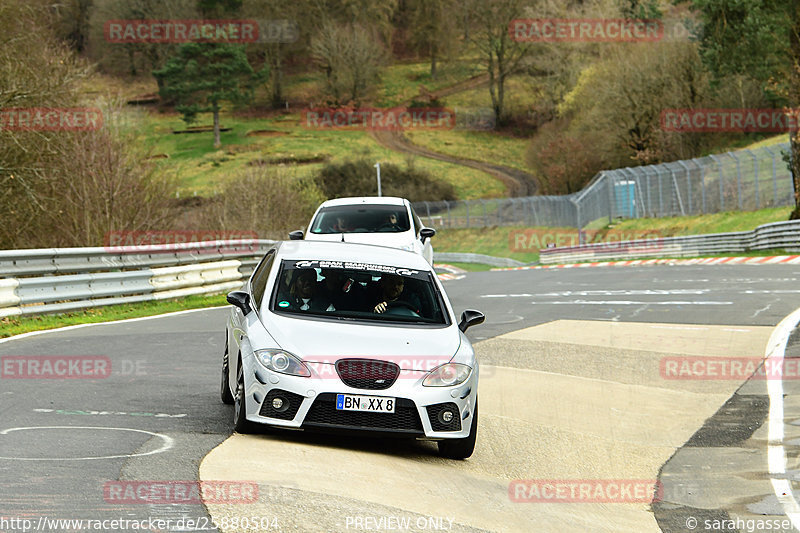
(361, 219)
(349, 290)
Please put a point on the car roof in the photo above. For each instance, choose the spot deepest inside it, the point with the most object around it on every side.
(365, 200)
(351, 252)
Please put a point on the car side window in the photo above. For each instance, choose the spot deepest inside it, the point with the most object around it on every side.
(259, 282)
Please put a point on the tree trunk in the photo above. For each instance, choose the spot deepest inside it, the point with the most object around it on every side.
(433, 63)
(794, 165)
(794, 102)
(217, 141)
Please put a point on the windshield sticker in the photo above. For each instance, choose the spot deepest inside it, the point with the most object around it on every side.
(385, 269)
(284, 303)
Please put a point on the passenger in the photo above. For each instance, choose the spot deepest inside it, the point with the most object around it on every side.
(304, 294)
(342, 224)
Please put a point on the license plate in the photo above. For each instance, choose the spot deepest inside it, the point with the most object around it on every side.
(373, 404)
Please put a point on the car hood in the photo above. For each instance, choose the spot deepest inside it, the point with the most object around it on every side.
(394, 240)
(418, 348)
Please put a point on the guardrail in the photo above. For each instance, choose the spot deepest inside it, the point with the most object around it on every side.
(456, 257)
(777, 235)
(55, 280)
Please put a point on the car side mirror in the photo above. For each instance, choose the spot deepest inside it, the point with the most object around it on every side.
(426, 233)
(241, 300)
(296, 235)
(470, 317)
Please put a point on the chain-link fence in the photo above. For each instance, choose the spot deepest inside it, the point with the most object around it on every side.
(744, 180)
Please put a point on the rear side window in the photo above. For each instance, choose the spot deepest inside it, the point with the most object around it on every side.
(259, 282)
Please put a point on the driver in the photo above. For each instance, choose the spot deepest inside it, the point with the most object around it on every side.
(391, 289)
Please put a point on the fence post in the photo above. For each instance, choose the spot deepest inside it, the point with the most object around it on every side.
(738, 177)
(703, 184)
(718, 161)
(755, 174)
(485, 218)
(677, 191)
(612, 197)
(774, 176)
(449, 220)
(688, 184)
(428, 208)
(466, 204)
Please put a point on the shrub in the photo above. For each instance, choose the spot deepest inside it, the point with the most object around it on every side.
(358, 178)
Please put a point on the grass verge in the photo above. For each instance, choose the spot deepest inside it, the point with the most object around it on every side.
(499, 241)
(10, 326)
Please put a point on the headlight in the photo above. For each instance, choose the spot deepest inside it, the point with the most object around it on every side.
(283, 362)
(447, 375)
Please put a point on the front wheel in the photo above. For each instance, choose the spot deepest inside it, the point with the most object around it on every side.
(461, 448)
(224, 387)
(240, 422)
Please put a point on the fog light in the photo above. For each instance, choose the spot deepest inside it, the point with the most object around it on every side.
(277, 403)
(446, 416)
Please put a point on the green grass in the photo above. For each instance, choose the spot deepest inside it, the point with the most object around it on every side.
(479, 145)
(694, 225)
(500, 241)
(202, 169)
(16, 325)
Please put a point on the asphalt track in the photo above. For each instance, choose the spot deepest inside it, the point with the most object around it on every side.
(571, 388)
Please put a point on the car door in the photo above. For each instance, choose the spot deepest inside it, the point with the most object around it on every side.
(256, 287)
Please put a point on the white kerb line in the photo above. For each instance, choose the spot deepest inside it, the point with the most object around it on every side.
(776, 453)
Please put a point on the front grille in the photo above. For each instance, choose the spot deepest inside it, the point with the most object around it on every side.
(291, 400)
(437, 424)
(323, 413)
(369, 374)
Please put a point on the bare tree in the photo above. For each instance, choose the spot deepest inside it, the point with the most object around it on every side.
(351, 60)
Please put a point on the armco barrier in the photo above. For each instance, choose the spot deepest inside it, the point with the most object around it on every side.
(56, 280)
(777, 235)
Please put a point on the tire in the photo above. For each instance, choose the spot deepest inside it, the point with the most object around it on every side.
(461, 448)
(224, 388)
(240, 422)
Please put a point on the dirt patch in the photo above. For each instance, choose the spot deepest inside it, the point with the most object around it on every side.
(144, 99)
(266, 133)
(200, 129)
(290, 160)
(158, 156)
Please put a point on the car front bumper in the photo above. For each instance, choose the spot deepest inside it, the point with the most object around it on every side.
(310, 403)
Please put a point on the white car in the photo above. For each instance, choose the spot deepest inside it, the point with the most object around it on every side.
(381, 220)
(332, 336)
